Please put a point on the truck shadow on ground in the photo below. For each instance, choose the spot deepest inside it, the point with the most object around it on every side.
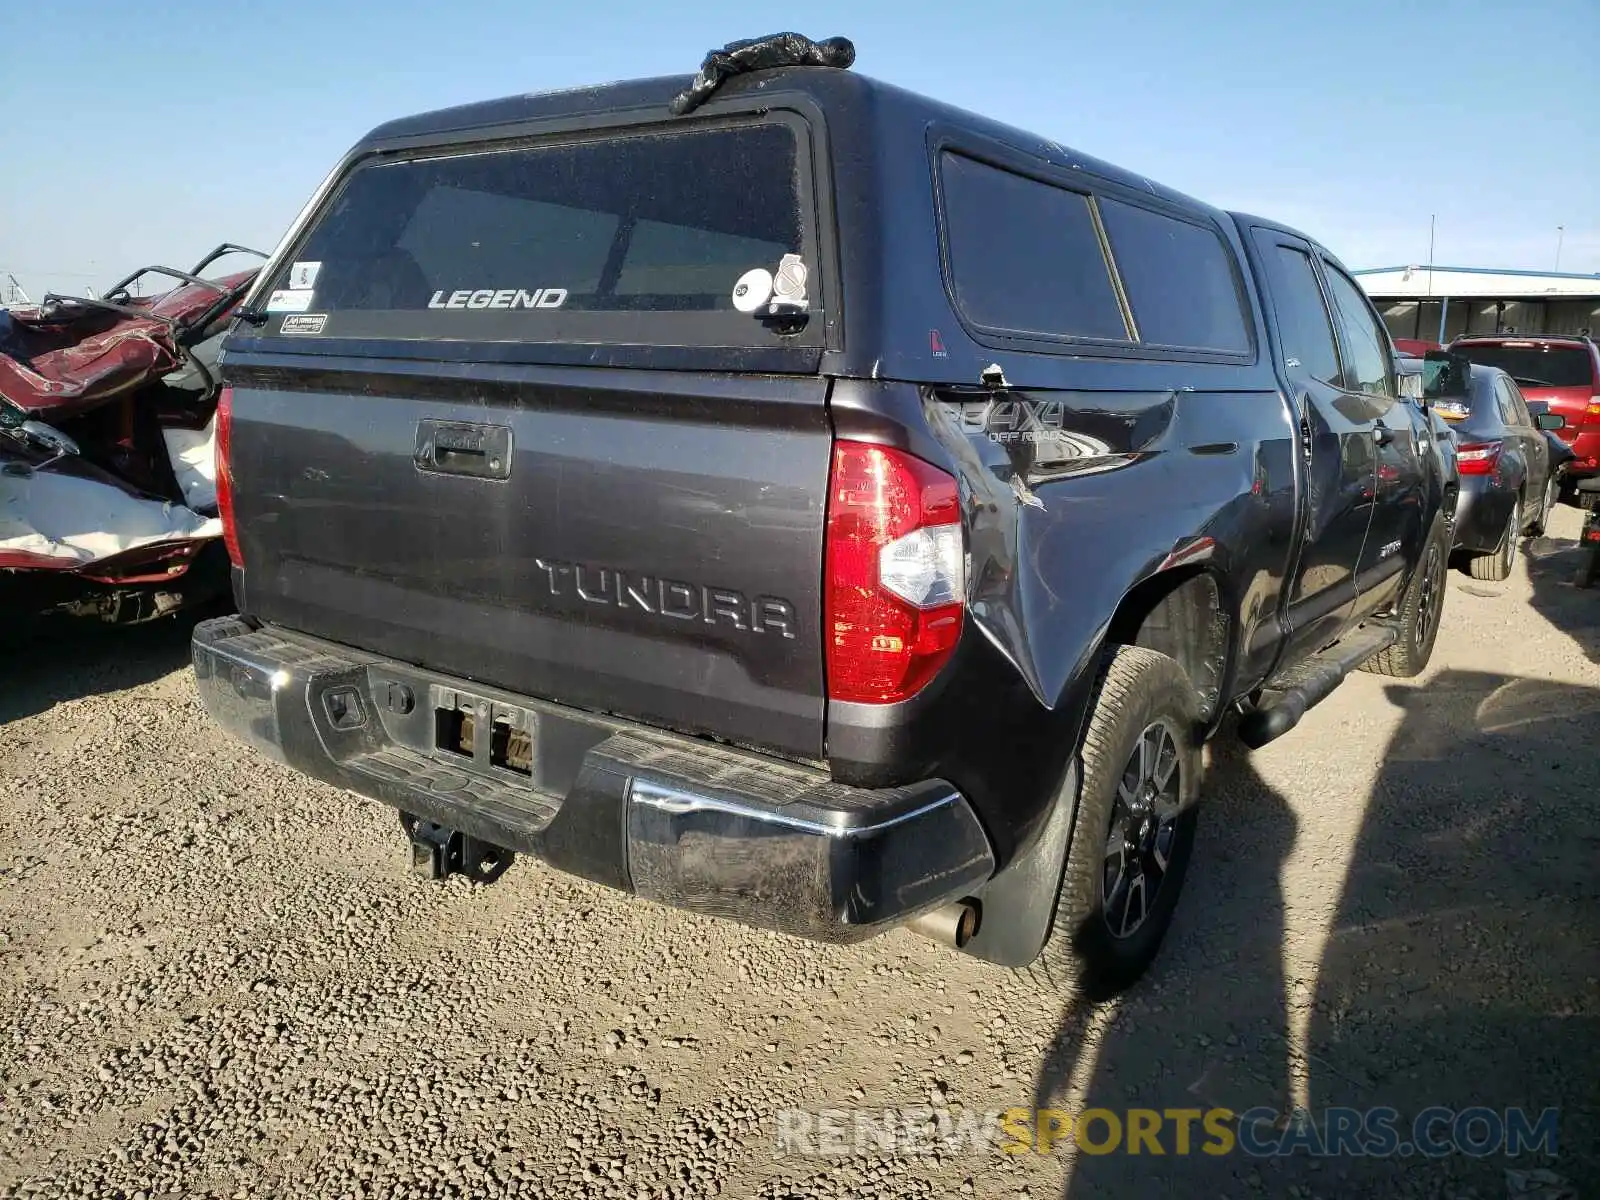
(51, 661)
(1458, 970)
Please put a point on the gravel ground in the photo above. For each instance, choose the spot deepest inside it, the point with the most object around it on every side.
(218, 979)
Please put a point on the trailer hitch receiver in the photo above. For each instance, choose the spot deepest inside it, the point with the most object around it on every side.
(437, 852)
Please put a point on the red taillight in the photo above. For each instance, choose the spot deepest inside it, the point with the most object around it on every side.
(1591, 414)
(230, 531)
(895, 573)
(1478, 458)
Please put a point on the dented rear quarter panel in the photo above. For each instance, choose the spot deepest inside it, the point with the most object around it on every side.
(1159, 462)
(1160, 481)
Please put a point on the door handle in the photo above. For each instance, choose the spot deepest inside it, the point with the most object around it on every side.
(1382, 435)
(459, 448)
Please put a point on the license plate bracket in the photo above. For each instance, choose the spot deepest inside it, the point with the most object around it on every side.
(490, 736)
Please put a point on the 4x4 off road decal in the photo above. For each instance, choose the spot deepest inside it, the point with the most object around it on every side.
(500, 298)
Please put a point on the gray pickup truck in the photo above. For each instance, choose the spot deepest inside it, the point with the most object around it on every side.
(817, 507)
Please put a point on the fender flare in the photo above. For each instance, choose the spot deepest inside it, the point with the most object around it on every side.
(1019, 903)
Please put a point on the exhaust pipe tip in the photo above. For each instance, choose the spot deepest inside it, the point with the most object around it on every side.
(953, 925)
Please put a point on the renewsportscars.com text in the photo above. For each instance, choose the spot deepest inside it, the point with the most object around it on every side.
(1259, 1132)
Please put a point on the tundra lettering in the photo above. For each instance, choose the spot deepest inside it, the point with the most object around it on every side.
(670, 598)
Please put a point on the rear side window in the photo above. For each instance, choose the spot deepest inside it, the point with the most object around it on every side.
(1512, 409)
(1534, 366)
(1519, 405)
(1302, 316)
(1370, 362)
(1179, 280)
(630, 239)
(1025, 258)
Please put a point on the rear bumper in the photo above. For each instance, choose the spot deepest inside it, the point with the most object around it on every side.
(1482, 511)
(685, 822)
(1586, 450)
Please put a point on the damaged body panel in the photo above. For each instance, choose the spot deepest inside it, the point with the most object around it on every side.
(1195, 484)
(867, 438)
(107, 434)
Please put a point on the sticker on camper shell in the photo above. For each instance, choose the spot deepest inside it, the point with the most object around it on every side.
(303, 276)
(286, 301)
(789, 285)
(773, 293)
(304, 323)
(753, 290)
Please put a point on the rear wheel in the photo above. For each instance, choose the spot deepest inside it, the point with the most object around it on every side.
(1497, 565)
(1420, 611)
(1135, 824)
(1551, 488)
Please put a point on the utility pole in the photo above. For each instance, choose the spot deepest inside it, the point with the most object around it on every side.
(1561, 232)
(1433, 219)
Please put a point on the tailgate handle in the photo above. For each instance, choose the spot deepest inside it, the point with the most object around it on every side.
(462, 448)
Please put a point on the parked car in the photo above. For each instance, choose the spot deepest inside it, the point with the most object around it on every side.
(1410, 372)
(1588, 573)
(107, 477)
(1561, 455)
(1563, 372)
(825, 509)
(1508, 484)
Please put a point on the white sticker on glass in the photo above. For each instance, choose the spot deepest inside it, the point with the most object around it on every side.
(303, 276)
(753, 290)
(789, 288)
(285, 300)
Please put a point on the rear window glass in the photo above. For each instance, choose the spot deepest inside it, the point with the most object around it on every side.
(1530, 366)
(1025, 258)
(1179, 279)
(638, 239)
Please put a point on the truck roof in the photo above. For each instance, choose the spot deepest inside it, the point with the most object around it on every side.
(847, 99)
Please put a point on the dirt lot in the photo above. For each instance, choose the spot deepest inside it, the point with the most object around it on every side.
(217, 978)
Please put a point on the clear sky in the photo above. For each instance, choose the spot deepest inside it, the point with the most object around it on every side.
(139, 132)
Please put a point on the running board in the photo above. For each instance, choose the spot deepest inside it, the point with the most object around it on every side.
(1289, 696)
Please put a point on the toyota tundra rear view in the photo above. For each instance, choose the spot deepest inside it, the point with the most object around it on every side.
(810, 505)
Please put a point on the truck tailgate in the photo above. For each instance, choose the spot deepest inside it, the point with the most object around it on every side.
(637, 542)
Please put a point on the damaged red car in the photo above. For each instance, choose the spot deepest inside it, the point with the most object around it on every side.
(108, 500)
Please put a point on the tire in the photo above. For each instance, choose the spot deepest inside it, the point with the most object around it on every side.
(1145, 714)
(1588, 566)
(1421, 610)
(1551, 488)
(1496, 566)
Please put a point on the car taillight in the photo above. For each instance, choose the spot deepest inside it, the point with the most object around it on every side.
(1477, 458)
(224, 438)
(1591, 415)
(895, 573)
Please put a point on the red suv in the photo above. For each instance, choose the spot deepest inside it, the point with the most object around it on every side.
(1563, 371)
